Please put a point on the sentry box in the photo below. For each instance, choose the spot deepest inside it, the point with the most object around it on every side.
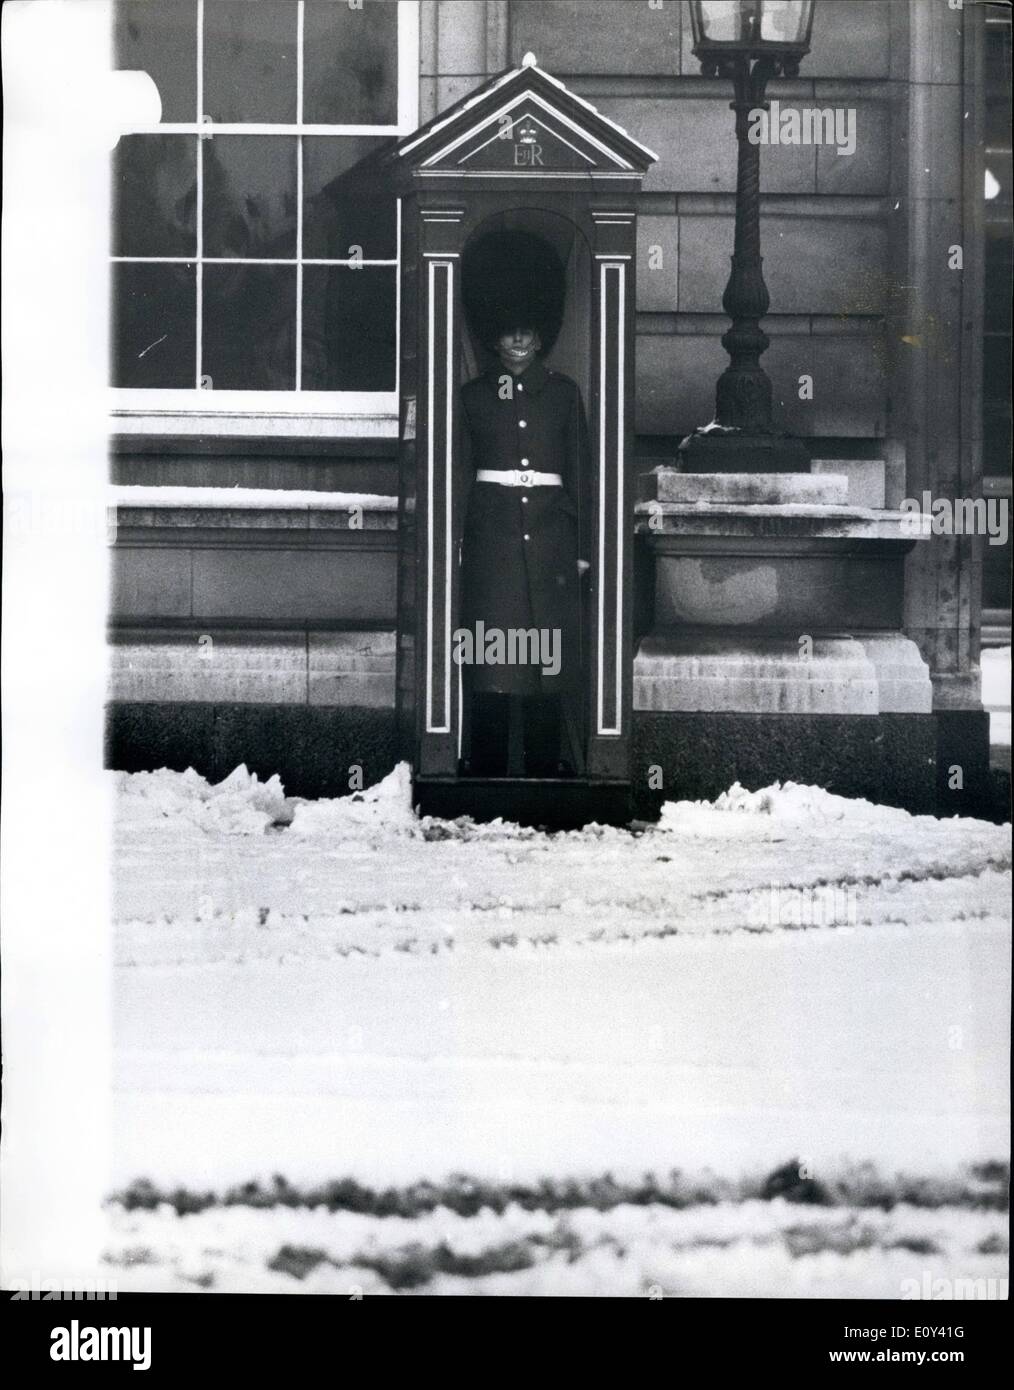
(521, 168)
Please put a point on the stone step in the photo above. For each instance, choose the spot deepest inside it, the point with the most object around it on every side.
(745, 489)
(870, 673)
(867, 479)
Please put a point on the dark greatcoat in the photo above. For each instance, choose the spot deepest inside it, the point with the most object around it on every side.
(521, 545)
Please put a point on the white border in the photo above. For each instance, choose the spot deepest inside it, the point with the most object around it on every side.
(485, 93)
(524, 172)
(620, 267)
(447, 263)
(494, 119)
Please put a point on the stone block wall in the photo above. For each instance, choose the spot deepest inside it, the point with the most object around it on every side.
(302, 626)
(828, 219)
(259, 634)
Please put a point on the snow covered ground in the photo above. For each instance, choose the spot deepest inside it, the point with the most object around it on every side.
(759, 1049)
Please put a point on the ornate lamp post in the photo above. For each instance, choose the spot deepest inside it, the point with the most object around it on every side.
(750, 41)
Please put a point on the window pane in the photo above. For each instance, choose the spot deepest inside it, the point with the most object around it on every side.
(344, 202)
(153, 325)
(250, 327)
(161, 40)
(250, 196)
(250, 60)
(724, 20)
(783, 21)
(350, 63)
(348, 328)
(154, 189)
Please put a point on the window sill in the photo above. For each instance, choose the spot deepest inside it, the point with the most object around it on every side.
(214, 499)
(253, 414)
(235, 510)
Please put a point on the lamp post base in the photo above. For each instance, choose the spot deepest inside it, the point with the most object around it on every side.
(739, 451)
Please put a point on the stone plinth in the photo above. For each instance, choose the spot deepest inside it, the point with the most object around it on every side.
(158, 665)
(774, 594)
(773, 675)
(874, 673)
(903, 678)
(666, 485)
(788, 567)
(803, 589)
(866, 479)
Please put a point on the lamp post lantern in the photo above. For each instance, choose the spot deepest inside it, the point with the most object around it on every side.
(751, 42)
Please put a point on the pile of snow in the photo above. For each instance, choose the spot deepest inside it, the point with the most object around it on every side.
(385, 806)
(184, 801)
(243, 805)
(789, 804)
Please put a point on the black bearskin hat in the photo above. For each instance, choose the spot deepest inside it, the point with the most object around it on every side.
(513, 279)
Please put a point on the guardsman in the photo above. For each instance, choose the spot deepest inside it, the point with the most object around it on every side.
(524, 550)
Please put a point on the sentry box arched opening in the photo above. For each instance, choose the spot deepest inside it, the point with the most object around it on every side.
(523, 189)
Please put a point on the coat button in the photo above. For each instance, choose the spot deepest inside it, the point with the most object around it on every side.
(524, 463)
(524, 499)
(522, 424)
(527, 536)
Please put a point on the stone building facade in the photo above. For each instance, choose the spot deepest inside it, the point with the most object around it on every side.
(799, 628)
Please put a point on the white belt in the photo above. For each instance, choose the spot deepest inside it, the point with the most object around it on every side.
(518, 477)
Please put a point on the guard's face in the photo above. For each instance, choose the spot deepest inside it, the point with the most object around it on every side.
(518, 348)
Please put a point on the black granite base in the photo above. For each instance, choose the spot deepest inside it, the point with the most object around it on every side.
(313, 749)
(889, 758)
(965, 785)
(905, 760)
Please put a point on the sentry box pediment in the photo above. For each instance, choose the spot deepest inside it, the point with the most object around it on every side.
(520, 179)
(524, 124)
